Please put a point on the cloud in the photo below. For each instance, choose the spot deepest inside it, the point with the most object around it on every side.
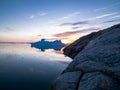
(117, 16)
(75, 27)
(39, 35)
(32, 16)
(66, 34)
(69, 16)
(56, 38)
(85, 22)
(75, 23)
(37, 15)
(111, 21)
(100, 9)
(42, 14)
(80, 23)
(107, 7)
(103, 16)
(9, 29)
(6, 29)
(65, 24)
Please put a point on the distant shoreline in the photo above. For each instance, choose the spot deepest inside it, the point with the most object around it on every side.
(14, 43)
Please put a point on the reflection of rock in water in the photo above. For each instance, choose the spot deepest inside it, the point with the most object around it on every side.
(56, 45)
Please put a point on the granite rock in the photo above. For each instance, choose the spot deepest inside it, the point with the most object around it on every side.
(67, 81)
(97, 59)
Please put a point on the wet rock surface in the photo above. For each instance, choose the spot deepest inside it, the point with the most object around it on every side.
(96, 62)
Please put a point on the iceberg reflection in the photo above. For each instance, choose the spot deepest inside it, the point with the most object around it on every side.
(43, 45)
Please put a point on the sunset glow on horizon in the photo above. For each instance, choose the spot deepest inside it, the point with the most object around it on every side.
(65, 20)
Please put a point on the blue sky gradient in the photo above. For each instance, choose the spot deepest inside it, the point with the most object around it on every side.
(31, 20)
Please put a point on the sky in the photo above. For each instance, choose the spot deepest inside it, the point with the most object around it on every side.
(66, 20)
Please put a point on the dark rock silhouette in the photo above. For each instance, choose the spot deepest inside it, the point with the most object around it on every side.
(96, 62)
(42, 44)
(73, 49)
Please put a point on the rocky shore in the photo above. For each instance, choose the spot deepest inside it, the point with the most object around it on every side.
(96, 62)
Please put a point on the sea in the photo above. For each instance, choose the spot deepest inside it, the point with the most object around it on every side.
(23, 67)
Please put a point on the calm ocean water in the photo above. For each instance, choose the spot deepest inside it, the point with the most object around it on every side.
(26, 68)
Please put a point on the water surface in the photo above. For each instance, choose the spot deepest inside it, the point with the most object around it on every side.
(26, 68)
